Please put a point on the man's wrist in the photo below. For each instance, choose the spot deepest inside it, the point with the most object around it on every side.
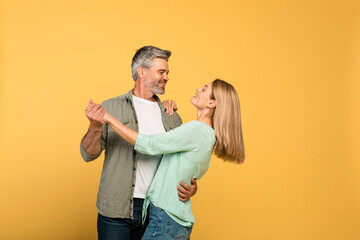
(95, 127)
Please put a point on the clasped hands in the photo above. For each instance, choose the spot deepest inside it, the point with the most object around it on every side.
(96, 113)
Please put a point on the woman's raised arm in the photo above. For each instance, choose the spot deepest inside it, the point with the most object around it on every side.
(126, 133)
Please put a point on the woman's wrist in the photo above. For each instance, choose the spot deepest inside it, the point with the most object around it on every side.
(107, 117)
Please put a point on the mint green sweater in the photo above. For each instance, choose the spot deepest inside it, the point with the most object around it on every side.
(187, 152)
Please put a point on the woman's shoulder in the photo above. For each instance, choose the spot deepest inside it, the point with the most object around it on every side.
(195, 125)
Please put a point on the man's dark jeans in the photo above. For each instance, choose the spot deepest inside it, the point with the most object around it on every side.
(122, 228)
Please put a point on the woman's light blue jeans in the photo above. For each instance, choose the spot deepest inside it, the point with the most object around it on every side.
(163, 227)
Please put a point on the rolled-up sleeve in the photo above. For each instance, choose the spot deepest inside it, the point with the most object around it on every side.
(87, 157)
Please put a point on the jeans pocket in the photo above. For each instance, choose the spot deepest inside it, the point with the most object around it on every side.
(103, 221)
(175, 230)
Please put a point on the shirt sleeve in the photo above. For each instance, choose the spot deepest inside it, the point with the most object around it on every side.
(87, 157)
(183, 138)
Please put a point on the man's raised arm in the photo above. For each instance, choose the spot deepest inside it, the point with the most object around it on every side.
(91, 140)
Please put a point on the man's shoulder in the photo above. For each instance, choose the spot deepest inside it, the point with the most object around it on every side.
(171, 121)
(117, 100)
(177, 118)
(113, 100)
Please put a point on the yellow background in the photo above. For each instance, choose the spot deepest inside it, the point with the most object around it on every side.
(295, 65)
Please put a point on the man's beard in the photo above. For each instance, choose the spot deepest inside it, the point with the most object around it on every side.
(156, 89)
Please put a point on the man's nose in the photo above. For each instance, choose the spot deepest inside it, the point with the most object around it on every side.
(166, 77)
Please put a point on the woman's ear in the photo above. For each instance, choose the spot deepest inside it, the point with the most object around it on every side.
(211, 104)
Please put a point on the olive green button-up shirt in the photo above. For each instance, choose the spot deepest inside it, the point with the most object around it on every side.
(116, 190)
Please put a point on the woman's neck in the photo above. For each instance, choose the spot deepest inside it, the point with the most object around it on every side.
(205, 117)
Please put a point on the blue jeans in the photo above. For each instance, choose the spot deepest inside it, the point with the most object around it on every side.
(163, 227)
(122, 228)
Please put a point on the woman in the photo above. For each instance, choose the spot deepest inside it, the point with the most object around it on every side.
(187, 152)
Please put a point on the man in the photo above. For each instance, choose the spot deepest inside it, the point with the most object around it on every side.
(126, 174)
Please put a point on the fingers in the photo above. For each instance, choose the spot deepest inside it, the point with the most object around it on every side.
(185, 186)
(90, 103)
(184, 192)
(167, 106)
(95, 113)
(102, 115)
(93, 109)
(99, 109)
(182, 196)
(193, 187)
(175, 106)
(170, 106)
(98, 112)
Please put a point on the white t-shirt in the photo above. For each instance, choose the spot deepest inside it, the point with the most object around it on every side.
(149, 119)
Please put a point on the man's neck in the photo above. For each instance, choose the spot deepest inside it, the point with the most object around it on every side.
(143, 92)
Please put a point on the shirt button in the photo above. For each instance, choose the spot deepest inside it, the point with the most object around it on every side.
(133, 185)
(134, 169)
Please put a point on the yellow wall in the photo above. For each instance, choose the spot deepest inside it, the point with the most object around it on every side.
(295, 65)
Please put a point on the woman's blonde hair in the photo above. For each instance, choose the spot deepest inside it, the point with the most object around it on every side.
(227, 122)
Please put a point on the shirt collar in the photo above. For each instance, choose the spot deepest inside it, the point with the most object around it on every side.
(129, 95)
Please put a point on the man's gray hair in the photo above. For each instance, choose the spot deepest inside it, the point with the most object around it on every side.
(144, 58)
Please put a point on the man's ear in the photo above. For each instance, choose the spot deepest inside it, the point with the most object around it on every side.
(211, 104)
(141, 72)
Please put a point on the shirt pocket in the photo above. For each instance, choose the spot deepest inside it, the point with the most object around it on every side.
(113, 137)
